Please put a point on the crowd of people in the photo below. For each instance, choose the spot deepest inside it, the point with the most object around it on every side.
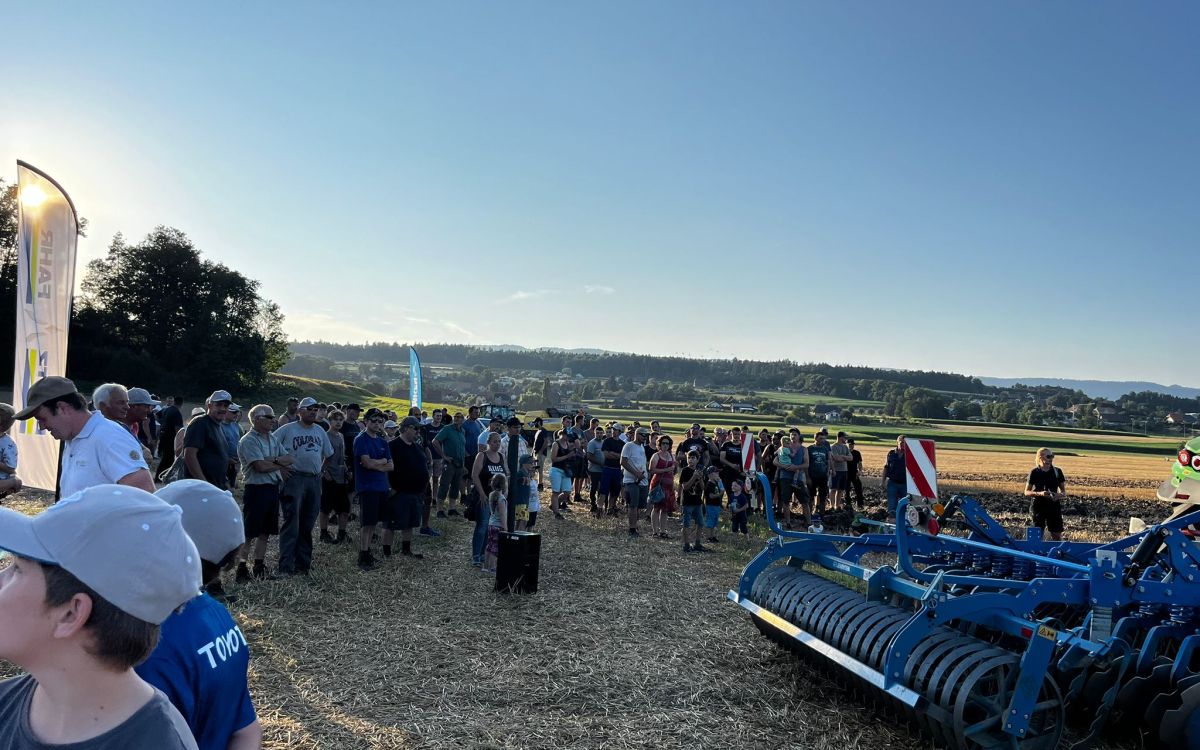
(112, 600)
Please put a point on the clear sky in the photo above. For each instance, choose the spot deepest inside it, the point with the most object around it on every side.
(994, 188)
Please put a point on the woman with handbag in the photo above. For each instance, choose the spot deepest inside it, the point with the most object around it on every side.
(489, 463)
(662, 487)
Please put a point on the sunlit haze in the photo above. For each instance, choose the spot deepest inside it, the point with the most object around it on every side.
(985, 188)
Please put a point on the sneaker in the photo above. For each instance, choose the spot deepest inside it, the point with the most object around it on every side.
(441, 514)
(426, 531)
(452, 512)
(559, 516)
(477, 563)
(687, 548)
(327, 537)
(701, 548)
(243, 573)
(415, 555)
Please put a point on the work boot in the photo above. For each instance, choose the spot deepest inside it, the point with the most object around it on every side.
(366, 561)
(260, 570)
(243, 573)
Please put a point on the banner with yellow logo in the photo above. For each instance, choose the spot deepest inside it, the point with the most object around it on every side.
(47, 231)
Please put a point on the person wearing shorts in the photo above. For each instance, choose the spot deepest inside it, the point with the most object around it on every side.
(372, 462)
(691, 490)
(410, 481)
(595, 464)
(335, 487)
(263, 460)
(1048, 488)
(563, 459)
(714, 495)
(610, 478)
(635, 478)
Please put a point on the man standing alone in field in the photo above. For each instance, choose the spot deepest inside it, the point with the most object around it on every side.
(895, 479)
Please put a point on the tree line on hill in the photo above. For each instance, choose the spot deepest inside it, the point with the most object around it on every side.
(637, 377)
(157, 314)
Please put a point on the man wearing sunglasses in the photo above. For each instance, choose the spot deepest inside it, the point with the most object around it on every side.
(308, 445)
(264, 465)
(372, 462)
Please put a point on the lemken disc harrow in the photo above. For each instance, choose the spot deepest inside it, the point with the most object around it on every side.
(984, 641)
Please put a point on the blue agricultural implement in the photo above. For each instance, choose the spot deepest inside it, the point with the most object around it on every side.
(987, 641)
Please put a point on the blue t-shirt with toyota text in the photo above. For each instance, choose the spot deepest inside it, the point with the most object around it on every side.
(200, 663)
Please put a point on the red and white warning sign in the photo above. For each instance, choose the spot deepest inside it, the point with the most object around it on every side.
(749, 460)
(921, 466)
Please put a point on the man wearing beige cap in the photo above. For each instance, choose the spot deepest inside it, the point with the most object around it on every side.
(202, 657)
(71, 619)
(95, 450)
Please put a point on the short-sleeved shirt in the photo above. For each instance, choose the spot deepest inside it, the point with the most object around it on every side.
(170, 419)
(350, 430)
(200, 664)
(155, 726)
(840, 449)
(254, 446)
(308, 446)
(615, 446)
(818, 460)
(471, 432)
(453, 442)
(714, 492)
(1046, 481)
(8, 454)
(595, 451)
(855, 462)
(102, 453)
(207, 436)
(233, 434)
(411, 475)
(635, 455)
(370, 480)
(700, 445)
(337, 462)
(694, 496)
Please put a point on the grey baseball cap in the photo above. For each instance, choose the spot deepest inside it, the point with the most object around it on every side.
(124, 543)
(211, 517)
(219, 396)
(141, 397)
(306, 402)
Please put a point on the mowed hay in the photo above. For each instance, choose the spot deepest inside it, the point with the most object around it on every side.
(628, 643)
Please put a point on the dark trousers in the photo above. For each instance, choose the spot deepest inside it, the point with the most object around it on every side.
(856, 492)
(300, 503)
(166, 450)
(739, 523)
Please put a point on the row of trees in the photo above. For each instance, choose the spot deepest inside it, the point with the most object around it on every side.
(156, 313)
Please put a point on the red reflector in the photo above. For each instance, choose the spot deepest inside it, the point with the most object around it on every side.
(1181, 496)
(1026, 632)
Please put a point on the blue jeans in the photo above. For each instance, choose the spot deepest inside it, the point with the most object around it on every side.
(300, 502)
(479, 538)
(895, 491)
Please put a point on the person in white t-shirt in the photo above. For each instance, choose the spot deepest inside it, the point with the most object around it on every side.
(635, 478)
(9, 481)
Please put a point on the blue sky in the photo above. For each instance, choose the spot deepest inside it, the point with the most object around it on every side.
(990, 188)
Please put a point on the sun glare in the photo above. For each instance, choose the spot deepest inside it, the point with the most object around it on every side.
(33, 196)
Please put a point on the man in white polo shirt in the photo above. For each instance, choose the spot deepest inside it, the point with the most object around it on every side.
(95, 450)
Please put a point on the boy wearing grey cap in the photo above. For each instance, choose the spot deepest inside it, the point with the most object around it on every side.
(90, 581)
(202, 657)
